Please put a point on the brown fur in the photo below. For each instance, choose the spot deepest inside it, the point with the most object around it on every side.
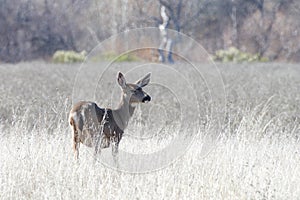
(86, 118)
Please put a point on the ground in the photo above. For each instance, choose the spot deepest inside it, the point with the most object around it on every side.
(244, 136)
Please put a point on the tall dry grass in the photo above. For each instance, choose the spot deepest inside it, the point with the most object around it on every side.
(255, 157)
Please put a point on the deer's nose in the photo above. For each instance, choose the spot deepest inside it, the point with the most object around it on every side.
(146, 98)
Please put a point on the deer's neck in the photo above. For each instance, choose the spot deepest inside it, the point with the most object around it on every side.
(123, 112)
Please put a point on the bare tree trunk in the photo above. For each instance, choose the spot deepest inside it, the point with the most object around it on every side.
(114, 27)
(166, 42)
(124, 20)
(266, 36)
(234, 38)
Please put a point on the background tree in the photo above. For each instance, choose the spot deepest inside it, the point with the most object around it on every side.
(32, 29)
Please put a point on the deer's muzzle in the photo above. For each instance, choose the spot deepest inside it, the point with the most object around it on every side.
(146, 98)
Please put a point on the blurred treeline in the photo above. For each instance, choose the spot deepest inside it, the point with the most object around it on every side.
(33, 29)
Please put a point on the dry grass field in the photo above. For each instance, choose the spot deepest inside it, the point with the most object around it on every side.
(256, 155)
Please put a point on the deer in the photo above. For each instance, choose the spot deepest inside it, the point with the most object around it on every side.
(101, 127)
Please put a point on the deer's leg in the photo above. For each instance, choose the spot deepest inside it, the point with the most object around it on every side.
(76, 143)
(76, 139)
(115, 140)
(115, 149)
(97, 144)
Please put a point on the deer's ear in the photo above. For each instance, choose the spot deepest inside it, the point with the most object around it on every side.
(121, 80)
(144, 81)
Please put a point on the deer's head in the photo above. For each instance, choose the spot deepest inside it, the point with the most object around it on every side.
(134, 91)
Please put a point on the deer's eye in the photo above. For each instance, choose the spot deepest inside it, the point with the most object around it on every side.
(136, 90)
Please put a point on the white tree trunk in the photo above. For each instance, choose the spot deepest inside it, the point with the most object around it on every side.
(166, 42)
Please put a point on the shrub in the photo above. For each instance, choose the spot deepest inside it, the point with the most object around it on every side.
(111, 56)
(234, 55)
(68, 56)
